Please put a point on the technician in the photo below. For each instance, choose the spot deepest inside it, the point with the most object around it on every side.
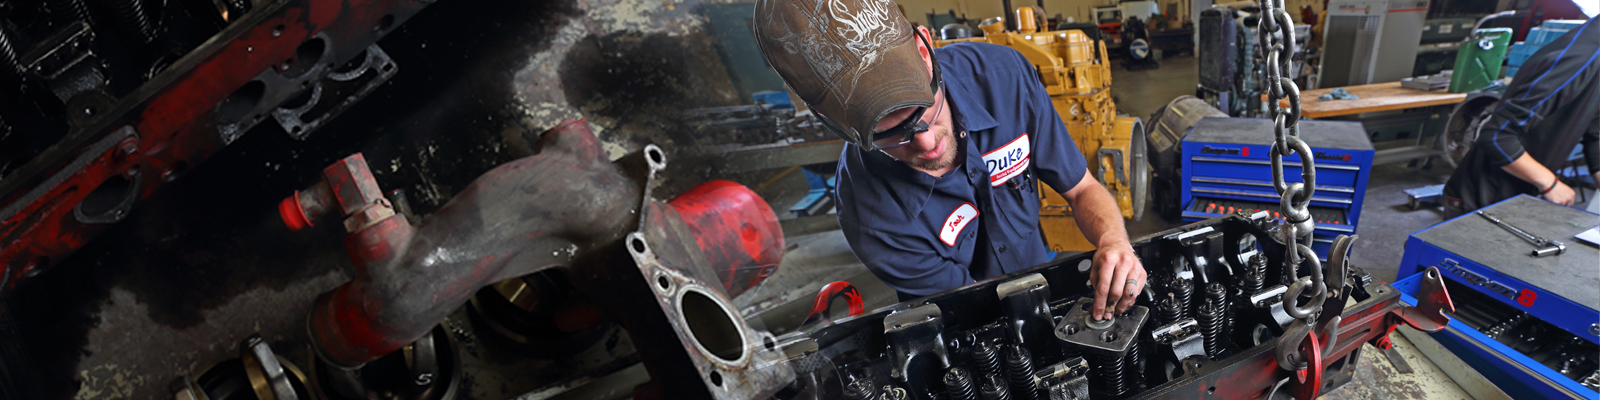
(1552, 104)
(936, 181)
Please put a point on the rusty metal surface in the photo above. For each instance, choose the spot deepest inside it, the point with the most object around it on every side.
(178, 282)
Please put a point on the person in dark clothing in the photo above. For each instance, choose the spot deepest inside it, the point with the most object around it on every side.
(1552, 104)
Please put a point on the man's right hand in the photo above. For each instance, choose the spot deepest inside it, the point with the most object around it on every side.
(1561, 194)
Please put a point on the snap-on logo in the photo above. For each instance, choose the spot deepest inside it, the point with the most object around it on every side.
(1334, 157)
(957, 220)
(1007, 161)
(1243, 151)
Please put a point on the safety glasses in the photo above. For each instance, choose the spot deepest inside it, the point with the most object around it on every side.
(904, 133)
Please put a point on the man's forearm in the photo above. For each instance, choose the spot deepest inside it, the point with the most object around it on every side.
(1096, 213)
(1530, 171)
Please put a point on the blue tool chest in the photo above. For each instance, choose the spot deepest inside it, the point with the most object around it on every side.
(1529, 324)
(1227, 167)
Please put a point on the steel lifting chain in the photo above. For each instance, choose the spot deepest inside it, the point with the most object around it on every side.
(1276, 37)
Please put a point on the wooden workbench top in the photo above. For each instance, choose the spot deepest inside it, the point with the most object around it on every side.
(1375, 97)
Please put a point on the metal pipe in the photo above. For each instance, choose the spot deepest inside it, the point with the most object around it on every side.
(526, 216)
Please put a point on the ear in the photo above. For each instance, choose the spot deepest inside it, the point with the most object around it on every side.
(924, 51)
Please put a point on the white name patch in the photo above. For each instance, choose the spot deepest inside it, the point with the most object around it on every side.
(1007, 161)
(957, 220)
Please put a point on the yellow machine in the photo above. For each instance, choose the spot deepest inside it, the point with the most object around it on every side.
(1075, 72)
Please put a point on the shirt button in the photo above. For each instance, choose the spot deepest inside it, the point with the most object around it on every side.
(972, 174)
(1002, 248)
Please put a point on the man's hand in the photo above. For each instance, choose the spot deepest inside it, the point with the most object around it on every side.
(1561, 194)
(1118, 278)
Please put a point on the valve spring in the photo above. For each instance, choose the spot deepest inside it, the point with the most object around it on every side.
(958, 385)
(1019, 362)
(994, 388)
(1135, 364)
(1111, 371)
(1217, 293)
(1258, 264)
(861, 389)
(1252, 283)
(133, 18)
(8, 56)
(63, 12)
(1211, 324)
(1070, 351)
(987, 357)
(1169, 311)
(1183, 289)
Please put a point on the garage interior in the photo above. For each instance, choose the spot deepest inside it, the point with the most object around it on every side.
(608, 199)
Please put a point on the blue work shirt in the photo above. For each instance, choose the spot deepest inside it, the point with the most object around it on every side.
(916, 232)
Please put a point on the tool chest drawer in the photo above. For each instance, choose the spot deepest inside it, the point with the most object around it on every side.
(1524, 356)
(1227, 167)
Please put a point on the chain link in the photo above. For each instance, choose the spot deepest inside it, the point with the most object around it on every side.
(1275, 35)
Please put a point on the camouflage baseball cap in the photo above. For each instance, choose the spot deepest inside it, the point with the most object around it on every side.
(851, 61)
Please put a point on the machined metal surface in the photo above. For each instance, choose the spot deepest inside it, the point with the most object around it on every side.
(1079, 328)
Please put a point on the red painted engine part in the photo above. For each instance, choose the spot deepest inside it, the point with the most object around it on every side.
(165, 127)
(535, 213)
(736, 229)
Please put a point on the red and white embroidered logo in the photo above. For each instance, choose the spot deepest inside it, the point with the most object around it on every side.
(958, 219)
(1007, 161)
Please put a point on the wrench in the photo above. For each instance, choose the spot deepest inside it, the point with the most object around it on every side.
(1544, 247)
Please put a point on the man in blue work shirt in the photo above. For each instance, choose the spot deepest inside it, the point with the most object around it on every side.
(936, 182)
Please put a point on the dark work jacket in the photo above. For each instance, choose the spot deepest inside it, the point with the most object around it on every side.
(1552, 104)
(922, 234)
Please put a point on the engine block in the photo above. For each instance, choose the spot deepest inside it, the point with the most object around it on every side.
(1206, 326)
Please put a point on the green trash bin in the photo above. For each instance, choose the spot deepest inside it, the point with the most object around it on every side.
(1478, 61)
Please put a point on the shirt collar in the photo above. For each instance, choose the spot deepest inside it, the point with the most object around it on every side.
(963, 95)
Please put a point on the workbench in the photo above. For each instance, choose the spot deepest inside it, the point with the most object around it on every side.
(1387, 96)
(1375, 97)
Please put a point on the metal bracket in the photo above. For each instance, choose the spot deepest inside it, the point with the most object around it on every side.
(1433, 301)
(1025, 302)
(1067, 380)
(1183, 337)
(60, 51)
(1272, 298)
(913, 337)
(1116, 165)
(266, 374)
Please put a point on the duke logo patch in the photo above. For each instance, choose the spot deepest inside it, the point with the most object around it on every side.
(1007, 161)
(957, 220)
